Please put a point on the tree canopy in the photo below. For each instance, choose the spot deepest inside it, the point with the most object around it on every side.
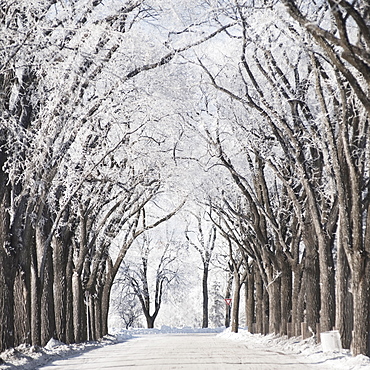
(114, 114)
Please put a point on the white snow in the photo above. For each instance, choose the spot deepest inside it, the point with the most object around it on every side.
(29, 357)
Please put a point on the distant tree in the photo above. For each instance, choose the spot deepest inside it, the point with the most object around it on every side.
(127, 306)
(152, 276)
(216, 314)
(204, 245)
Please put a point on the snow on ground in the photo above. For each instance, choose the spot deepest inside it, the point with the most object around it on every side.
(308, 348)
(30, 357)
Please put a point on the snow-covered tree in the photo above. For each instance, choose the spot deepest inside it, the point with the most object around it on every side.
(153, 274)
(204, 243)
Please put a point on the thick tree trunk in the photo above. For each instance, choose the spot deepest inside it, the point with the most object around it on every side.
(47, 301)
(21, 310)
(7, 271)
(344, 300)
(149, 322)
(77, 308)
(6, 304)
(35, 306)
(285, 298)
(266, 311)
(235, 303)
(249, 301)
(89, 303)
(69, 299)
(360, 289)
(260, 308)
(98, 332)
(60, 290)
(312, 286)
(105, 306)
(274, 294)
(311, 276)
(297, 312)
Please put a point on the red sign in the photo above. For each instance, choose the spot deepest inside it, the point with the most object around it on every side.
(228, 301)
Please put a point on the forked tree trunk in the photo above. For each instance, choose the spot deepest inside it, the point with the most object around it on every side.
(150, 322)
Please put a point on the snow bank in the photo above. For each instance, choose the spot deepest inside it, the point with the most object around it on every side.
(25, 357)
(308, 348)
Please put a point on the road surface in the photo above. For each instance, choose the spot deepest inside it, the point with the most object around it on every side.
(181, 351)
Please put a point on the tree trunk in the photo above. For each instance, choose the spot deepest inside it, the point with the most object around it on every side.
(360, 286)
(265, 311)
(69, 298)
(285, 298)
(311, 276)
(98, 332)
(21, 310)
(77, 308)
(7, 271)
(60, 290)
(47, 301)
(205, 295)
(6, 303)
(228, 295)
(105, 306)
(89, 303)
(249, 301)
(149, 322)
(312, 286)
(344, 304)
(35, 305)
(274, 295)
(260, 314)
(297, 292)
(235, 303)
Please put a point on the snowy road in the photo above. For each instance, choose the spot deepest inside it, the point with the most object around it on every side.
(181, 351)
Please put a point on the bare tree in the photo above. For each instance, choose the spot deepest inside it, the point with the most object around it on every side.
(204, 245)
(150, 280)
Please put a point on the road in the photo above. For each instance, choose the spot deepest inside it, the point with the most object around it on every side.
(181, 351)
